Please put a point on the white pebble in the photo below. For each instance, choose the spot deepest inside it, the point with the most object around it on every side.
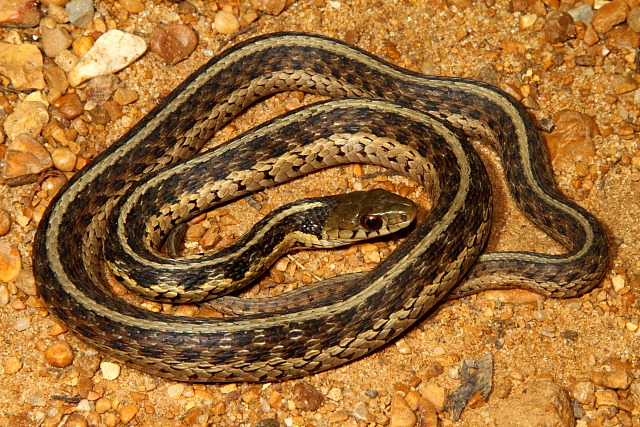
(23, 323)
(110, 370)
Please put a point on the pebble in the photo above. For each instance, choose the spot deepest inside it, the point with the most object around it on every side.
(110, 371)
(10, 262)
(513, 296)
(12, 365)
(361, 412)
(25, 157)
(100, 89)
(19, 13)
(225, 22)
(609, 15)
(559, 27)
(606, 397)
(55, 40)
(5, 222)
(113, 51)
(59, 355)
(82, 45)
(22, 324)
(56, 78)
(617, 379)
(335, 394)
(103, 405)
(544, 404)
(70, 106)
(58, 13)
(633, 19)
(132, 6)
(173, 42)
(28, 118)
(307, 397)
(623, 84)
(583, 13)
(271, 7)
(76, 420)
(64, 159)
(435, 394)
(125, 96)
(4, 295)
(22, 64)
(572, 138)
(401, 414)
(26, 282)
(175, 391)
(584, 392)
(127, 412)
(80, 12)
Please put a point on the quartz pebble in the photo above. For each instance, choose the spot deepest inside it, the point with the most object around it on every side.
(26, 282)
(22, 64)
(10, 262)
(173, 42)
(113, 51)
(559, 27)
(132, 6)
(125, 96)
(19, 13)
(12, 365)
(127, 412)
(226, 22)
(59, 355)
(401, 413)
(80, 12)
(633, 20)
(110, 371)
(70, 106)
(64, 159)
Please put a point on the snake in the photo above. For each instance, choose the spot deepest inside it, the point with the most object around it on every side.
(420, 126)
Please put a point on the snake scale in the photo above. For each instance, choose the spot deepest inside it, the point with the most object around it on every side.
(380, 114)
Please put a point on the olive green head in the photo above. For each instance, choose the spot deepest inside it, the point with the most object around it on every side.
(362, 215)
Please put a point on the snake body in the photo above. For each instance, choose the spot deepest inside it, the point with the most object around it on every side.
(416, 125)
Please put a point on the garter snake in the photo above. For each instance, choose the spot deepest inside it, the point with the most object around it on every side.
(416, 125)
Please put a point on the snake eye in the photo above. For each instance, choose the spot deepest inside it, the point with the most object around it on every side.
(371, 222)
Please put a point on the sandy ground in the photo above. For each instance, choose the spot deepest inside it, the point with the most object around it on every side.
(531, 338)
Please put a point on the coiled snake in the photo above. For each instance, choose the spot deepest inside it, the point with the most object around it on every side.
(416, 125)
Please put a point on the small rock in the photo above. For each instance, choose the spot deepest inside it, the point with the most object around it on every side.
(99, 115)
(100, 89)
(584, 392)
(10, 262)
(57, 12)
(225, 22)
(175, 391)
(29, 118)
(26, 282)
(55, 40)
(559, 27)
(618, 379)
(271, 7)
(66, 60)
(607, 398)
(127, 413)
(612, 13)
(435, 394)
(572, 139)
(132, 6)
(125, 96)
(361, 412)
(335, 394)
(56, 78)
(583, 13)
(401, 415)
(80, 12)
(103, 405)
(5, 222)
(307, 397)
(12, 365)
(22, 64)
(82, 45)
(110, 371)
(70, 106)
(23, 323)
(113, 51)
(25, 157)
(427, 413)
(544, 404)
(19, 13)
(58, 329)
(64, 159)
(633, 20)
(623, 84)
(59, 355)
(4, 295)
(173, 42)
